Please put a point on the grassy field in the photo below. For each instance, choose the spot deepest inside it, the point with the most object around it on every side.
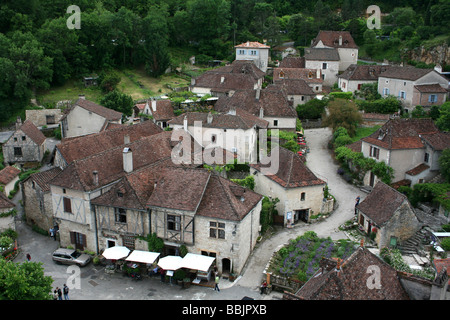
(134, 82)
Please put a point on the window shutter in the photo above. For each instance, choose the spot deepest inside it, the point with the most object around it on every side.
(72, 237)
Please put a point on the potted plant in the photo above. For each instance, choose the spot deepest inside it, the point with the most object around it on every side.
(179, 275)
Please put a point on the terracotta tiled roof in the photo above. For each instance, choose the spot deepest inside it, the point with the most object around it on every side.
(402, 134)
(32, 132)
(331, 39)
(245, 67)
(405, 73)
(42, 178)
(250, 44)
(381, 203)
(223, 82)
(82, 147)
(295, 87)
(440, 264)
(419, 169)
(292, 62)
(5, 203)
(438, 141)
(363, 72)
(349, 280)
(226, 200)
(272, 100)
(106, 113)
(292, 172)
(309, 75)
(163, 111)
(322, 54)
(430, 88)
(8, 174)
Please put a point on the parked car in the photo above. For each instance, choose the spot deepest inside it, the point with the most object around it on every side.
(71, 256)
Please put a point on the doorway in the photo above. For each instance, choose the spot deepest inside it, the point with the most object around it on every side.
(226, 266)
(302, 215)
(110, 243)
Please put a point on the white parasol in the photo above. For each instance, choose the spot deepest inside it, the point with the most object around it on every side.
(116, 252)
(170, 263)
(143, 256)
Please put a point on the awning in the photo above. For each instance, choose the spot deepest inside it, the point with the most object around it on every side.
(197, 262)
(143, 256)
(116, 252)
(170, 262)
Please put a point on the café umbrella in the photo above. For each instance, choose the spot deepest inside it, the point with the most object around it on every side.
(170, 263)
(116, 252)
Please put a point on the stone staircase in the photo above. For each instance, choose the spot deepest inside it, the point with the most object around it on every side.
(414, 244)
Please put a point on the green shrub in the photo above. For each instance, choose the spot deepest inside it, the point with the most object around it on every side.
(342, 95)
(445, 244)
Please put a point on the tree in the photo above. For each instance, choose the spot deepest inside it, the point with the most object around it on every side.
(109, 80)
(313, 109)
(343, 113)
(443, 122)
(25, 281)
(444, 163)
(118, 101)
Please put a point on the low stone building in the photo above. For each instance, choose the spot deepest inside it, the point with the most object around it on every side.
(387, 213)
(26, 145)
(6, 218)
(37, 198)
(8, 178)
(44, 117)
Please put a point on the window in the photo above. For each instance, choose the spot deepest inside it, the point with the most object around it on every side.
(303, 196)
(213, 138)
(67, 205)
(17, 151)
(432, 98)
(374, 152)
(253, 52)
(385, 91)
(50, 119)
(275, 123)
(324, 65)
(173, 223)
(241, 51)
(359, 86)
(120, 215)
(24, 138)
(427, 157)
(216, 230)
(402, 95)
(129, 242)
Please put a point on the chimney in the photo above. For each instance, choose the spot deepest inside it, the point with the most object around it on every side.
(153, 105)
(232, 111)
(18, 122)
(222, 79)
(261, 112)
(318, 73)
(185, 123)
(126, 139)
(340, 40)
(209, 119)
(127, 160)
(82, 96)
(258, 93)
(95, 177)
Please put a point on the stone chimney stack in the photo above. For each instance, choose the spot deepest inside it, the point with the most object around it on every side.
(95, 177)
(258, 93)
(126, 139)
(209, 119)
(127, 160)
(18, 122)
(261, 113)
(185, 123)
(340, 40)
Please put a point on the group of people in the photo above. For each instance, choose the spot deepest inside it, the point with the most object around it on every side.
(58, 293)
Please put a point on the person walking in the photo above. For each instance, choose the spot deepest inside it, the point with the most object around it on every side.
(216, 280)
(52, 233)
(58, 290)
(66, 292)
(28, 257)
(356, 204)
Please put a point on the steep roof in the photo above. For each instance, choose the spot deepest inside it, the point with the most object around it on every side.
(295, 87)
(349, 280)
(381, 203)
(331, 39)
(245, 67)
(252, 44)
(8, 174)
(224, 81)
(81, 147)
(163, 110)
(322, 54)
(292, 62)
(405, 73)
(292, 172)
(272, 100)
(44, 177)
(106, 113)
(5, 203)
(226, 200)
(309, 75)
(439, 141)
(32, 132)
(430, 88)
(402, 134)
(363, 72)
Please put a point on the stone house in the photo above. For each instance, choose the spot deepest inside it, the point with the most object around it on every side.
(297, 90)
(312, 77)
(6, 220)
(300, 192)
(44, 117)
(224, 81)
(37, 198)
(413, 86)
(356, 75)
(235, 131)
(254, 51)
(161, 111)
(361, 276)
(26, 145)
(409, 146)
(8, 178)
(270, 104)
(387, 213)
(343, 42)
(325, 59)
(86, 117)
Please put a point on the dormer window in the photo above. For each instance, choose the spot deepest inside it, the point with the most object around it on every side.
(120, 194)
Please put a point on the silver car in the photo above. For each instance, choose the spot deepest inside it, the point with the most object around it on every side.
(71, 256)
